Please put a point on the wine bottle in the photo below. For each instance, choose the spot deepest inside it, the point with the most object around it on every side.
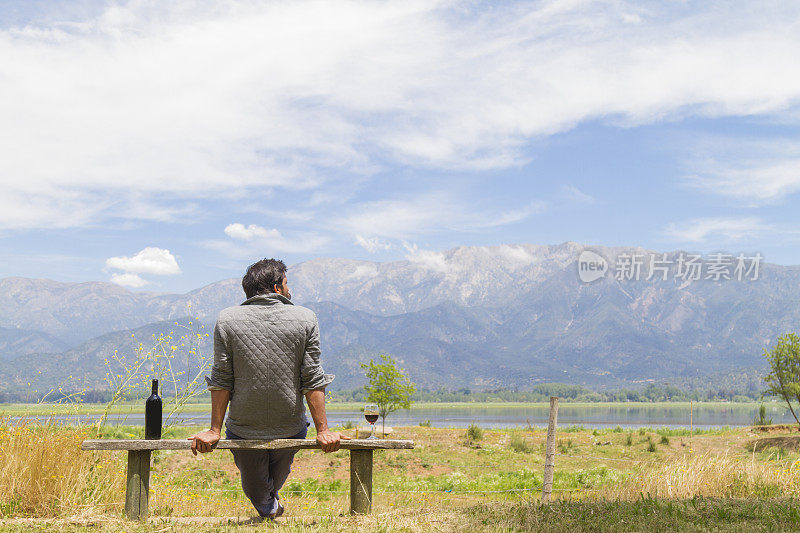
(152, 414)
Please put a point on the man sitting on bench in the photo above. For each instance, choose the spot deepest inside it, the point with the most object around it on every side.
(266, 358)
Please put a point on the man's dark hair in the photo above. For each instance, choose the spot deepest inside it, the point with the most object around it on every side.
(261, 277)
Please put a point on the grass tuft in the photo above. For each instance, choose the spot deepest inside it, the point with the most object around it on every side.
(518, 443)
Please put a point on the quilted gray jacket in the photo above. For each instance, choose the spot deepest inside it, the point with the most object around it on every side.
(266, 352)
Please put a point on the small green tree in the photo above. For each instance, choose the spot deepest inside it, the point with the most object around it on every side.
(783, 379)
(388, 386)
(762, 419)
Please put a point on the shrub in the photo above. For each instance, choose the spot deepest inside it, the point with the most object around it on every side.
(629, 439)
(474, 433)
(664, 439)
(425, 423)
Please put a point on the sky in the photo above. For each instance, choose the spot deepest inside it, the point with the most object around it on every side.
(166, 145)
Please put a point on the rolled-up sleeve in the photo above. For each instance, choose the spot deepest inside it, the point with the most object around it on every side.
(312, 376)
(222, 370)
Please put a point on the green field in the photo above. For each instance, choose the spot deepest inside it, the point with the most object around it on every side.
(739, 479)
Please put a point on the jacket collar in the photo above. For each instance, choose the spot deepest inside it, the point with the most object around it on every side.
(270, 298)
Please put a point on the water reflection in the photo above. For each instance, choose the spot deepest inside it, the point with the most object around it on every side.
(600, 416)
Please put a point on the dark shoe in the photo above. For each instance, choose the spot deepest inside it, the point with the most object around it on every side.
(277, 513)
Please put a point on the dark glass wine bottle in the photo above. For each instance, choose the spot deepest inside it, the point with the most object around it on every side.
(152, 414)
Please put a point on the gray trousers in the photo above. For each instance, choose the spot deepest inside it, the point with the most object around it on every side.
(263, 473)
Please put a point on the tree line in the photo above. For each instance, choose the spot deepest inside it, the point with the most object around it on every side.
(538, 393)
(567, 392)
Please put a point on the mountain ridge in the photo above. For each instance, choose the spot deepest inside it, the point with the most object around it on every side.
(509, 315)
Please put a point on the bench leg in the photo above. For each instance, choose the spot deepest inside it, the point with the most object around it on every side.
(360, 481)
(137, 491)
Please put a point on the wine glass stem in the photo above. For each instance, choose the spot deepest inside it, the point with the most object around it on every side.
(373, 429)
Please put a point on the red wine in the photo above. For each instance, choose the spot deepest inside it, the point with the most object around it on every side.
(152, 414)
(371, 418)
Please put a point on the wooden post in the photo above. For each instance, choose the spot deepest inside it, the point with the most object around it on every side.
(360, 481)
(550, 451)
(137, 490)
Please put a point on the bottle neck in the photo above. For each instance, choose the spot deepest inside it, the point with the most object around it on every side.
(155, 386)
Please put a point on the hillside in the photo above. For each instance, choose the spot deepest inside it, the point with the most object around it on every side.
(478, 317)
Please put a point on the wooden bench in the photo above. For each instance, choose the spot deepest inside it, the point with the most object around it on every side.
(137, 491)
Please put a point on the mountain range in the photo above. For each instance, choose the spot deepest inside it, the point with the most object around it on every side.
(506, 316)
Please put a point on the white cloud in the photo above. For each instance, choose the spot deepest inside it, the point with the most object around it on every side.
(151, 260)
(397, 218)
(505, 256)
(425, 213)
(753, 171)
(150, 98)
(362, 272)
(255, 241)
(473, 220)
(372, 244)
(128, 280)
(768, 182)
(515, 255)
(727, 229)
(248, 233)
(426, 258)
(574, 194)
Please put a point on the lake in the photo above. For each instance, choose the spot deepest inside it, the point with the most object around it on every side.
(705, 416)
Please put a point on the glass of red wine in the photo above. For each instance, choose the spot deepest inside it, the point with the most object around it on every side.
(371, 414)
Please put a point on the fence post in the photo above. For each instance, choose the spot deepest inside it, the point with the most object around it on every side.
(550, 451)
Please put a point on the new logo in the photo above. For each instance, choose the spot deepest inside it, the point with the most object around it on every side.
(591, 266)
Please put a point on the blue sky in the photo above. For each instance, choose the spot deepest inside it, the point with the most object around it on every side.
(166, 145)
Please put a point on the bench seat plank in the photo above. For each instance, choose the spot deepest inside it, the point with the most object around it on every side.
(224, 444)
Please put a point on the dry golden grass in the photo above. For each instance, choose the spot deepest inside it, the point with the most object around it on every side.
(43, 472)
(710, 475)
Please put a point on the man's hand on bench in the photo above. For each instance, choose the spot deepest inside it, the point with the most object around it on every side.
(330, 440)
(204, 441)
